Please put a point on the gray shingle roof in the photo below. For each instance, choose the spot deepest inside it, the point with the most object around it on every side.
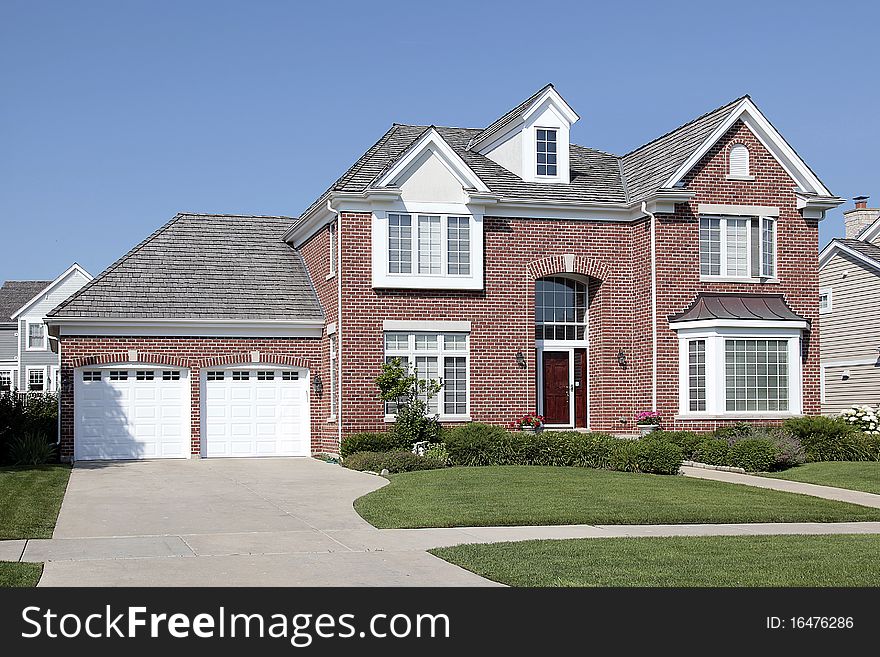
(865, 248)
(203, 267)
(722, 305)
(595, 176)
(508, 117)
(14, 294)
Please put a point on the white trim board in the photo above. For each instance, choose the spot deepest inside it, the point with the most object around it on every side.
(429, 326)
(739, 210)
(48, 289)
(829, 250)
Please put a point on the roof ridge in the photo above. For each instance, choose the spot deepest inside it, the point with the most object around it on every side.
(684, 125)
(235, 216)
(115, 265)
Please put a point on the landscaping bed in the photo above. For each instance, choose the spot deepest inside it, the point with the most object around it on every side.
(536, 495)
(729, 561)
(862, 475)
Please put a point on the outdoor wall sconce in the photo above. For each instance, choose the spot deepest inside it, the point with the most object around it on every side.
(317, 385)
(621, 359)
(520, 360)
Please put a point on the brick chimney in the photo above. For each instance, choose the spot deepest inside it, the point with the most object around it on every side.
(859, 218)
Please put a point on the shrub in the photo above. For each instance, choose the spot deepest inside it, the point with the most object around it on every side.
(649, 456)
(873, 447)
(19, 416)
(31, 448)
(473, 443)
(687, 440)
(372, 442)
(829, 439)
(398, 384)
(753, 454)
(393, 461)
(789, 451)
(712, 451)
(438, 452)
(733, 432)
(864, 418)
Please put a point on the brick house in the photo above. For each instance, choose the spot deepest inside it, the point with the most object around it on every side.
(523, 271)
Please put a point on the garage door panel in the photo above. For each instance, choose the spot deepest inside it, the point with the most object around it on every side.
(255, 414)
(130, 414)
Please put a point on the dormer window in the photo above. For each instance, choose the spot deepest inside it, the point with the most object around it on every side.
(545, 140)
(739, 161)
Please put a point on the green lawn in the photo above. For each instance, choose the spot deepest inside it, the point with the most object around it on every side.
(679, 561)
(30, 499)
(859, 475)
(15, 574)
(530, 495)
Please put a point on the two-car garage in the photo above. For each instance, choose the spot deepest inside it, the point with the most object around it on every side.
(144, 411)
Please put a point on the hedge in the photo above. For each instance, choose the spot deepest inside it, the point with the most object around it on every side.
(372, 442)
(832, 439)
(393, 461)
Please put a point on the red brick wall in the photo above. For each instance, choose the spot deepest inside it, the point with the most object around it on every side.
(678, 275)
(193, 353)
(618, 255)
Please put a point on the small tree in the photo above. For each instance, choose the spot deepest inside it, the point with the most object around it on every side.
(399, 385)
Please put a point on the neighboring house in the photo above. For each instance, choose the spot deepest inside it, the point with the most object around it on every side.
(849, 312)
(29, 361)
(523, 271)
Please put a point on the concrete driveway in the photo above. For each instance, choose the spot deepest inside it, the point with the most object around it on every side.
(236, 522)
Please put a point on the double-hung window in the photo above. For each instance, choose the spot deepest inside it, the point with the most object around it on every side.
(429, 244)
(442, 357)
(5, 380)
(737, 247)
(36, 380)
(36, 335)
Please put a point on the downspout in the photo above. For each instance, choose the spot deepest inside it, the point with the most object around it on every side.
(338, 391)
(653, 305)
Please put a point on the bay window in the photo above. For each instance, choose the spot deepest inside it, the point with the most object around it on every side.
(442, 357)
(441, 243)
(737, 247)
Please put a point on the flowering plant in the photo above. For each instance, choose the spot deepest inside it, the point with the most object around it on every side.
(648, 417)
(532, 420)
(864, 417)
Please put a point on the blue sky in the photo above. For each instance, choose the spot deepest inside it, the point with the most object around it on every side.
(116, 115)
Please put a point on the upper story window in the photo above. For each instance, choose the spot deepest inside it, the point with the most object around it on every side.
(36, 380)
(824, 300)
(738, 247)
(36, 336)
(441, 244)
(545, 140)
(560, 309)
(739, 161)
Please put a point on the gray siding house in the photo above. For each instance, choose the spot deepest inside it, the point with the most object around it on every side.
(849, 312)
(29, 358)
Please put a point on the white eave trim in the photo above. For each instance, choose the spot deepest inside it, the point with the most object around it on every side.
(871, 232)
(195, 327)
(663, 201)
(433, 142)
(828, 252)
(48, 289)
(814, 207)
(769, 137)
(739, 323)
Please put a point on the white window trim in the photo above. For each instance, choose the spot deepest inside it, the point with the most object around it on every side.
(415, 240)
(28, 378)
(724, 277)
(441, 353)
(11, 372)
(545, 176)
(384, 278)
(716, 371)
(54, 372)
(830, 292)
(27, 336)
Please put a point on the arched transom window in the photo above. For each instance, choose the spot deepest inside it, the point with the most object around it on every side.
(560, 309)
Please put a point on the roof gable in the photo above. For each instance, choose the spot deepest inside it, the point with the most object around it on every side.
(71, 272)
(864, 252)
(15, 294)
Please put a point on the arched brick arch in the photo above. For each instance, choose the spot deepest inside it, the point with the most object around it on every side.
(123, 357)
(568, 264)
(246, 357)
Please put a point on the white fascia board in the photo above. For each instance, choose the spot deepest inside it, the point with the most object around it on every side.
(438, 326)
(871, 232)
(558, 103)
(187, 327)
(852, 362)
(814, 207)
(737, 324)
(433, 142)
(769, 137)
(540, 209)
(828, 252)
(51, 286)
(738, 210)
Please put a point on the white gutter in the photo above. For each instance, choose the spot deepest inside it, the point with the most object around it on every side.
(653, 306)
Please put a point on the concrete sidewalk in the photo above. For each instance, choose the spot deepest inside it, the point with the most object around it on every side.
(828, 492)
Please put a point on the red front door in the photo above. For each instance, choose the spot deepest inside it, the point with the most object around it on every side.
(556, 388)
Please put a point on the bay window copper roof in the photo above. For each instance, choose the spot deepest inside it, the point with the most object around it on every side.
(717, 305)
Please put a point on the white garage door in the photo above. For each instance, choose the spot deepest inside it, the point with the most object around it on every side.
(256, 411)
(131, 413)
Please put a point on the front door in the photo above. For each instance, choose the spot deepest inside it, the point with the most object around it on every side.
(557, 409)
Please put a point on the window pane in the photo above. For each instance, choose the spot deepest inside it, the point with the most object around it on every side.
(426, 341)
(429, 244)
(455, 385)
(426, 370)
(710, 247)
(737, 247)
(560, 308)
(455, 342)
(458, 245)
(697, 375)
(756, 375)
(768, 247)
(396, 341)
(399, 243)
(36, 380)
